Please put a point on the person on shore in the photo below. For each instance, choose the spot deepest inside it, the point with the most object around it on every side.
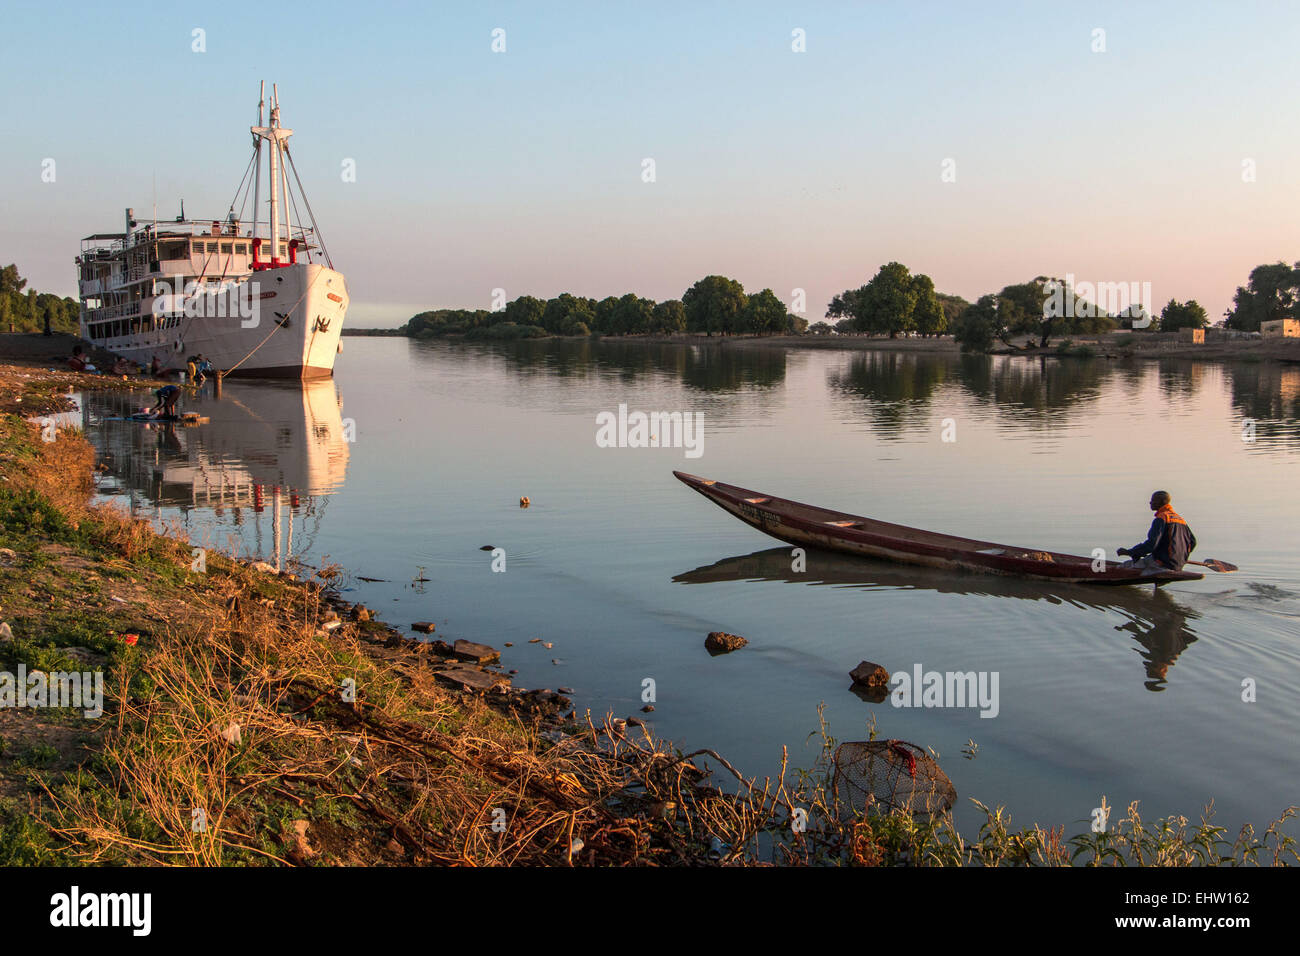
(204, 368)
(165, 406)
(192, 368)
(78, 361)
(155, 367)
(1169, 542)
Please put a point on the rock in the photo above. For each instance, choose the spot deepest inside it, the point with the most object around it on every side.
(524, 502)
(720, 642)
(471, 678)
(509, 644)
(565, 690)
(547, 644)
(534, 640)
(6, 632)
(443, 648)
(359, 613)
(479, 653)
(331, 625)
(394, 847)
(330, 616)
(424, 627)
(8, 557)
(263, 567)
(869, 674)
(487, 547)
(648, 709)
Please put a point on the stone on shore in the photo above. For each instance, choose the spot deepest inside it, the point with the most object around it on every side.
(471, 678)
(479, 653)
(424, 627)
(720, 642)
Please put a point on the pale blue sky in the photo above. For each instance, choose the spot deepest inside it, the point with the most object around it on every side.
(522, 170)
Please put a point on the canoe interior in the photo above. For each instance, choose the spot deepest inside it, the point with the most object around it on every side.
(805, 524)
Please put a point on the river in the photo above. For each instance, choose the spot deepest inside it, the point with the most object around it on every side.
(416, 455)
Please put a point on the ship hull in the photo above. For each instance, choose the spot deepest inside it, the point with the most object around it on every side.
(297, 315)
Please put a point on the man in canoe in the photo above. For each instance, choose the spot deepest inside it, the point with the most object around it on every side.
(1169, 543)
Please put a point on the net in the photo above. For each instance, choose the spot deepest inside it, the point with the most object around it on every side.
(890, 775)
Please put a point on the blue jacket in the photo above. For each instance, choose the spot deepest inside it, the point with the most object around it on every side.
(1170, 541)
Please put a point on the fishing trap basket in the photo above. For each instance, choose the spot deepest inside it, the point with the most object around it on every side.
(888, 775)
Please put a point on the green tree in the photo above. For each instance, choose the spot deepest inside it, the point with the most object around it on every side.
(632, 315)
(953, 306)
(1273, 293)
(980, 325)
(11, 281)
(581, 318)
(525, 310)
(885, 305)
(669, 317)
(928, 316)
(605, 309)
(764, 313)
(1183, 315)
(556, 313)
(714, 304)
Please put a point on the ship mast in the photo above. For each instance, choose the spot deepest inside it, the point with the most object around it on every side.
(277, 136)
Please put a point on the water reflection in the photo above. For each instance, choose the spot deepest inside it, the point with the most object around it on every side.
(898, 387)
(248, 479)
(1156, 621)
(713, 367)
(1034, 389)
(1269, 395)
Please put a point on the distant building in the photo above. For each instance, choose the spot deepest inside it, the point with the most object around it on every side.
(1281, 328)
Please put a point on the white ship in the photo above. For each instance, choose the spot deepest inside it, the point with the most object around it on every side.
(257, 298)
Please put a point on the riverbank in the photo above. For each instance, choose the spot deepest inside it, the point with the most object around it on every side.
(1111, 345)
(254, 717)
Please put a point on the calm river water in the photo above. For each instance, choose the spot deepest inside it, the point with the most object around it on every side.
(417, 454)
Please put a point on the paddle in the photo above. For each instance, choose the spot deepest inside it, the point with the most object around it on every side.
(1214, 564)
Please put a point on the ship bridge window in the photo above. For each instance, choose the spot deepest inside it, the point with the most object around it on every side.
(212, 248)
(240, 249)
(225, 248)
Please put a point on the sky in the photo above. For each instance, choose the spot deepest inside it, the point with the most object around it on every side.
(982, 144)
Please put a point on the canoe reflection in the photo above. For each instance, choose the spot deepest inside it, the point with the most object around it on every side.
(1156, 621)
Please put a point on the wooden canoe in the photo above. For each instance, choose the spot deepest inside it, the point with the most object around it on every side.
(810, 526)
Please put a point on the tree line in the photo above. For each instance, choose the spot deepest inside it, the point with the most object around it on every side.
(26, 310)
(715, 305)
(895, 301)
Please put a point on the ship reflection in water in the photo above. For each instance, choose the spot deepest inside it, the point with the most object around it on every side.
(252, 479)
